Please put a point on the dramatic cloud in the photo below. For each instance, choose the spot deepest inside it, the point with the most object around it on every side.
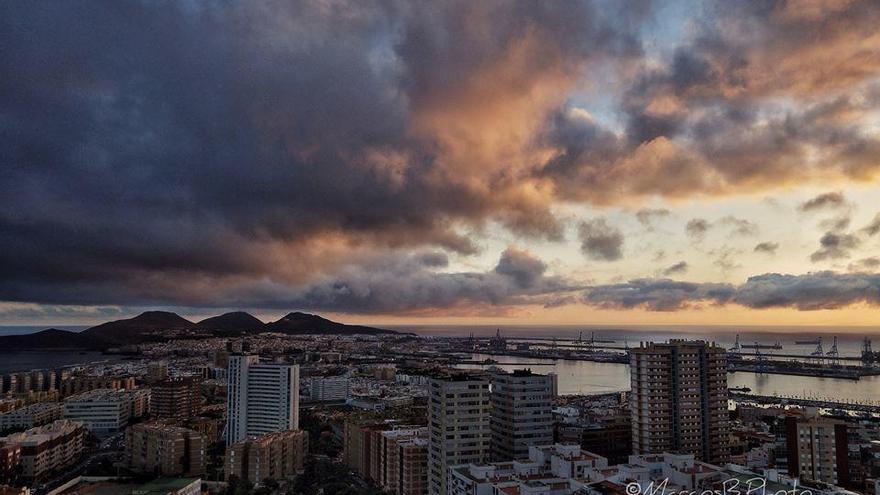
(600, 241)
(865, 265)
(874, 227)
(160, 152)
(405, 285)
(678, 268)
(832, 200)
(835, 246)
(656, 294)
(647, 216)
(766, 247)
(697, 228)
(813, 291)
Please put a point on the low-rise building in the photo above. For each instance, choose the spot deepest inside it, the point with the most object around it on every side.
(79, 384)
(48, 449)
(159, 449)
(34, 415)
(553, 469)
(276, 455)
(105, 411)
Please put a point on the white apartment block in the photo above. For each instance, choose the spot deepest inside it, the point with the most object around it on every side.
(549, 470)
(262, 397)
(522, 413)
(458, 422)
(104, 411)
(336, 388)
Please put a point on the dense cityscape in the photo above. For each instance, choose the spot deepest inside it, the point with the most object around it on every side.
(440, 247)
(311, 412)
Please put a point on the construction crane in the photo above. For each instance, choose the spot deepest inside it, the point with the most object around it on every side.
(833, 354)
(819, 353)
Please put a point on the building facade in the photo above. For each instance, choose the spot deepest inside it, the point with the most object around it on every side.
(163, 450)
(276, 455)
(176, 399)
(49, 448)
(337, 388)
(262, 398)
(817, 449)
(33, 415)
(106, 411)
(522, 416)
(458, 422)
(678, 400)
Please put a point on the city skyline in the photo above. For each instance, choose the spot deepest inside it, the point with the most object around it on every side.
(468, 163)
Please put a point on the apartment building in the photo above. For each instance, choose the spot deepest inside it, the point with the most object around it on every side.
(522, 404)
(33, 415)
(179, 398)
(335, 388)
(817, 449)
(105, 411)
(159, 449)
(458, 422)
(79, 384)
(401, 463)
(276, 455)
(49, 448)
(550, 469)
(262, 397)
(678, 400)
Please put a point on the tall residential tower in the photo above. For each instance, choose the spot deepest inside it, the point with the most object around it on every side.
(458, 423)
(522, 404)
(679, 399)
(262, 398)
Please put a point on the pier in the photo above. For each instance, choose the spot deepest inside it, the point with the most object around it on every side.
(872, 407)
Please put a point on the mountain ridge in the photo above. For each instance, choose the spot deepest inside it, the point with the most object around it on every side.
(151, 326)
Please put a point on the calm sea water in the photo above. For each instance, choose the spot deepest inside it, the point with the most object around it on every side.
(850, 339)
(586, 377)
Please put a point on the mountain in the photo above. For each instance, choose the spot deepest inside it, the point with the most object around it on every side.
(235, 323)
(153, 326)
(304, 323)
(138, 329)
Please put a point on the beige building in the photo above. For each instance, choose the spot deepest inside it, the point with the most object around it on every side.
(276, 455)
(155, 448)
(178, 399)
(678, 400)
(401, 466)
(80, 384)
(458, 422)
(48, 449)
(817, 449)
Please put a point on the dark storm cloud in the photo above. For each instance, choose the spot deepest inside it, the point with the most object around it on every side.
(656, 294)
(831, 200)
(678, 268)
(812, 291)
(766, 247)
(600, 241)
(159, 152)
(399, 285)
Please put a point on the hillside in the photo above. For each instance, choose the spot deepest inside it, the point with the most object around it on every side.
(235, 323)
(304, 323)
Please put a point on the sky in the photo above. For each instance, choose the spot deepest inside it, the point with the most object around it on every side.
(579, 162)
